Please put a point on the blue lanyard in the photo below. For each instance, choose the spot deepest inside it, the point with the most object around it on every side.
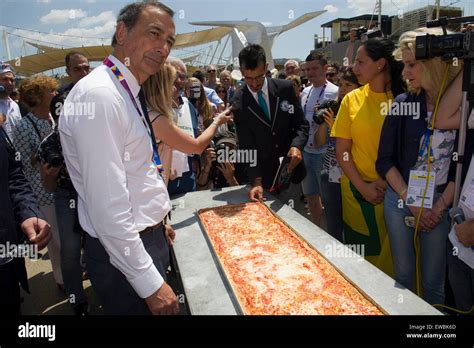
(123, 82)
(309, 96)
(426, 142)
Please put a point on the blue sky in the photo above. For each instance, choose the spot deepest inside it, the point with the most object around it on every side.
(96, 19)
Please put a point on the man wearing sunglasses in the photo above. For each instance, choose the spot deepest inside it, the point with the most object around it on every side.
(211, 80)
(269, 120)
(9, 111)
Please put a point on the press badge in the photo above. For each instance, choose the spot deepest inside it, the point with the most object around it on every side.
(416, 189)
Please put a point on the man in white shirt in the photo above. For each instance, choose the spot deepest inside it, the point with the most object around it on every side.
(320, 90)
(109, 150)
(9, 111)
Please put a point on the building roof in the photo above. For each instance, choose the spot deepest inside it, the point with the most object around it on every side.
(366, 17)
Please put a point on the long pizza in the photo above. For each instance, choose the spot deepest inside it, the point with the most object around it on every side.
(273, 271)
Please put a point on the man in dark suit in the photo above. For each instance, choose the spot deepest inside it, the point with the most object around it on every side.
(269, 120)
(19, 212)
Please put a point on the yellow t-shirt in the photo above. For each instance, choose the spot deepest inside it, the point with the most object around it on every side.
(360, 119)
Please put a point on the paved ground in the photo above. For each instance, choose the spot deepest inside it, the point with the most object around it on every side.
(47, 299)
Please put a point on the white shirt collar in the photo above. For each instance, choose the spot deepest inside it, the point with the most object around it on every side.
(264, 90)
(127, 74)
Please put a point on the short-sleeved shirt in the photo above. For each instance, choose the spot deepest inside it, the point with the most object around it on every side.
(360, 119)
(11, 110)
(309, 98)
(26, 141)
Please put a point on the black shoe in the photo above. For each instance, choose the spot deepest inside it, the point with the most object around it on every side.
(81, 310)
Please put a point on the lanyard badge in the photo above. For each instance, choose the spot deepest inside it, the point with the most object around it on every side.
(118, 74)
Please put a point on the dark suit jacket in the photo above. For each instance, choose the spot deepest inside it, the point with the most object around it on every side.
(272, 139)
(17, 202)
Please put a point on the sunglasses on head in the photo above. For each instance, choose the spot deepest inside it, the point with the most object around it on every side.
(5, 66)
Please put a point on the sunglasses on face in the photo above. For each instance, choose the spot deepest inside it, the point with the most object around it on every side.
(212, 70)
(331, 74)
(221, 91)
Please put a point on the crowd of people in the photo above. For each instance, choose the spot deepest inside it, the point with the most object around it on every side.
(88, 168)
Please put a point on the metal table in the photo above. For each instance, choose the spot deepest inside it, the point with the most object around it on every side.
(207, 292)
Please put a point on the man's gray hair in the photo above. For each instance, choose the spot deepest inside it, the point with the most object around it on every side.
(130, 13)
(291, 61)
(176, 62)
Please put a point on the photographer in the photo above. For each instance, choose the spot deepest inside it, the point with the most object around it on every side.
(311, 98)
(37, 93)
(56, 180)
(331, 172)
(218, 174)
(406, 137)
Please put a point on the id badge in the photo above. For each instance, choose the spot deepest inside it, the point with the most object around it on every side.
(416, 189)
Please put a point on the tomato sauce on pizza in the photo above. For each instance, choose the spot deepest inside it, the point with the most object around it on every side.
(272, 270)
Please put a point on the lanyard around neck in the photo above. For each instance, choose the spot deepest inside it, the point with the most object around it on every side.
(116, 71)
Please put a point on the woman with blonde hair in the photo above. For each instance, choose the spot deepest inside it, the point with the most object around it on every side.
(413, 148)
(158, 94)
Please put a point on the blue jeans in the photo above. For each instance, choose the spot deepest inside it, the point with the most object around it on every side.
(432, 249)
(70, 234)
(311, 184)
(332, 201)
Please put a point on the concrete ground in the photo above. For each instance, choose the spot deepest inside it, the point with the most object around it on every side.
(47, 299)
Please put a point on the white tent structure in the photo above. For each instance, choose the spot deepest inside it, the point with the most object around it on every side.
(245, 32)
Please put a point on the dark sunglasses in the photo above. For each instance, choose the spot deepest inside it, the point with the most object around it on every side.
(212, 70)
(331, 74)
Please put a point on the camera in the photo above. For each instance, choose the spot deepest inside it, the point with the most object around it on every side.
(49, 150)
(364, 34)
(447, 46)
(318, 115)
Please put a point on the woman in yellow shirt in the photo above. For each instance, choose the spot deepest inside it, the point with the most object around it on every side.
(357, 131)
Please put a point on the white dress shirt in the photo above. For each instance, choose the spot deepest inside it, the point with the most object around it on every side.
(265, 94)
(108, 154)
(11, 110)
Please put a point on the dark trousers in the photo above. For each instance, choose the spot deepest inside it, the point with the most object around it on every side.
(461, 278)
(115, 293)
(9, 290)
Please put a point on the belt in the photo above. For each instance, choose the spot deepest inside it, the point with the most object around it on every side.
(150, 229)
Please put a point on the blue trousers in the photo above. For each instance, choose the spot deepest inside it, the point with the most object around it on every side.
(115, 292)
(432, 249)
